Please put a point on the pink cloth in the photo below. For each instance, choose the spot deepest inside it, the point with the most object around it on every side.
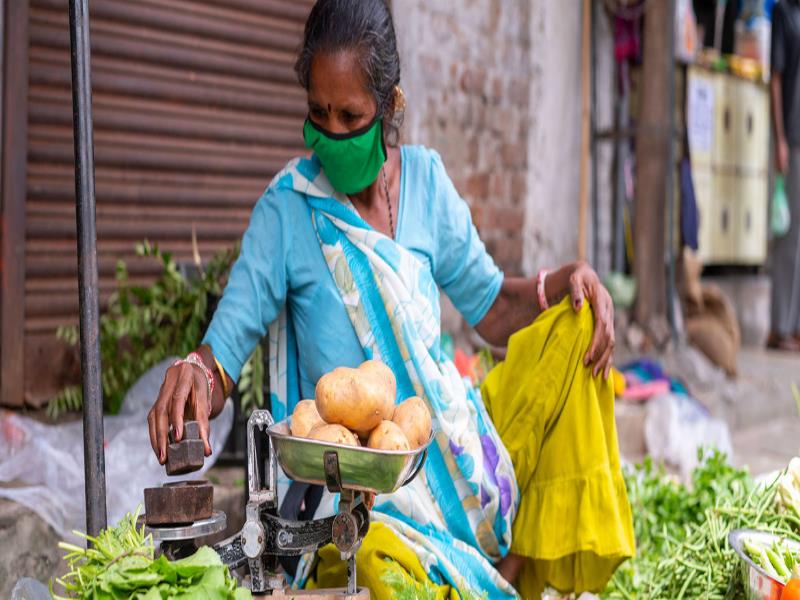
(639, 391)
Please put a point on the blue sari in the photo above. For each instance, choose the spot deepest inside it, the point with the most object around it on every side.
(457, 514)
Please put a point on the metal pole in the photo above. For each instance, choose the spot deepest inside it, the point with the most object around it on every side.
(586, 134)
(593, 142)
(622, 148)
(670, 191)
(93, 454)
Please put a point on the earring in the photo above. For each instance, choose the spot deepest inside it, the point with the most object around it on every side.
(399, 99)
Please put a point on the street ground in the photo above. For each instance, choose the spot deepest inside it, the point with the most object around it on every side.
(764, 415)
(758, 406)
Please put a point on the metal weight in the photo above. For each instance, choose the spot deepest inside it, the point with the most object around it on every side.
(178, 503)
(188, 454)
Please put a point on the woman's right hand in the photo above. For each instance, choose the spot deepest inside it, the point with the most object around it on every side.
(183, 396)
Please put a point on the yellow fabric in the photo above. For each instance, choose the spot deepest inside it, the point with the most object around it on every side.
(619, 383)
(557, 422)
(379, 544)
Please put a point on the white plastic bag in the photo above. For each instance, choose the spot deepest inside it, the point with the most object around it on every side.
(45, 462)
(29, 589)
(676, 427)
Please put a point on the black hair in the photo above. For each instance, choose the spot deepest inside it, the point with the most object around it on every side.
(366, 27)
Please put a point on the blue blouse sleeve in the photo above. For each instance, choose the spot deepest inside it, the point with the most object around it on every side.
(256, 289)
(461, 266)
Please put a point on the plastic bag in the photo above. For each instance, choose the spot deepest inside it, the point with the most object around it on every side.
(676, 426)
(30, 589)
(780, 217)
(45, 462)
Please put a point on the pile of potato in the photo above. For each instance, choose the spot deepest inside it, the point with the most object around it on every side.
(356, 407)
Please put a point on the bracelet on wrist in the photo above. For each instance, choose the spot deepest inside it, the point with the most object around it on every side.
(193, 358)
(226, 389)
(540, 290)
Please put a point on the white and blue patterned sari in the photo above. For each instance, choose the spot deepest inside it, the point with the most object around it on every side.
(457, 514)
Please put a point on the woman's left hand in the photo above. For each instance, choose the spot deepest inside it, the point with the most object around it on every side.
(584, 285)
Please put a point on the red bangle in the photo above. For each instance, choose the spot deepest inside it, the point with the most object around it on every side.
(540, 292)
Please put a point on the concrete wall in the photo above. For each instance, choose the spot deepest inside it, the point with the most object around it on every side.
(465, 74)
(495, 87)
(554, 143)
(551, 218)
(605, 73)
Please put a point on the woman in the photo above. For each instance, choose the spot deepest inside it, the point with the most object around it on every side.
(342, 261)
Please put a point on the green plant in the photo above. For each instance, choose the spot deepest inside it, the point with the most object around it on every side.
(114, 543)
(406, 587)
(681, 532)
(251, 381)
(145, 324)
(120, 563)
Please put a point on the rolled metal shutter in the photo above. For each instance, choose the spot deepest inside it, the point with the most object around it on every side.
(196, 107)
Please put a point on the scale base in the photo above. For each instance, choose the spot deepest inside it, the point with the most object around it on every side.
(326, 594)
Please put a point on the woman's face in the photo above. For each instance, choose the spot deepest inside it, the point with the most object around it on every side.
(338, 99)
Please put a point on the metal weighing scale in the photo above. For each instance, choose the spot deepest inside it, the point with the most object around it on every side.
(347, 470)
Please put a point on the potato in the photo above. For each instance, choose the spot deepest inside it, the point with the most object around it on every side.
(336, 434)
(305, 418)
(414, 419)
(337, 398)
(358, 398)
(383, 373)
(388, 436)
(373, 393)
(380, 370)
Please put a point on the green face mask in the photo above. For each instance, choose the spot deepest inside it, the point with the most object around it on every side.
(351, 160)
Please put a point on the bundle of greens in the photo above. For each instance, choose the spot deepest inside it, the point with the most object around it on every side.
(120, 564)
(681, 531)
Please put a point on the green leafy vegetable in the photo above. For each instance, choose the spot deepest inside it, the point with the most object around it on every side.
(404, 586)
(120, 564)
(681, 531)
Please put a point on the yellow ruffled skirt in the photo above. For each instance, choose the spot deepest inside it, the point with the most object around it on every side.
(557, 422)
